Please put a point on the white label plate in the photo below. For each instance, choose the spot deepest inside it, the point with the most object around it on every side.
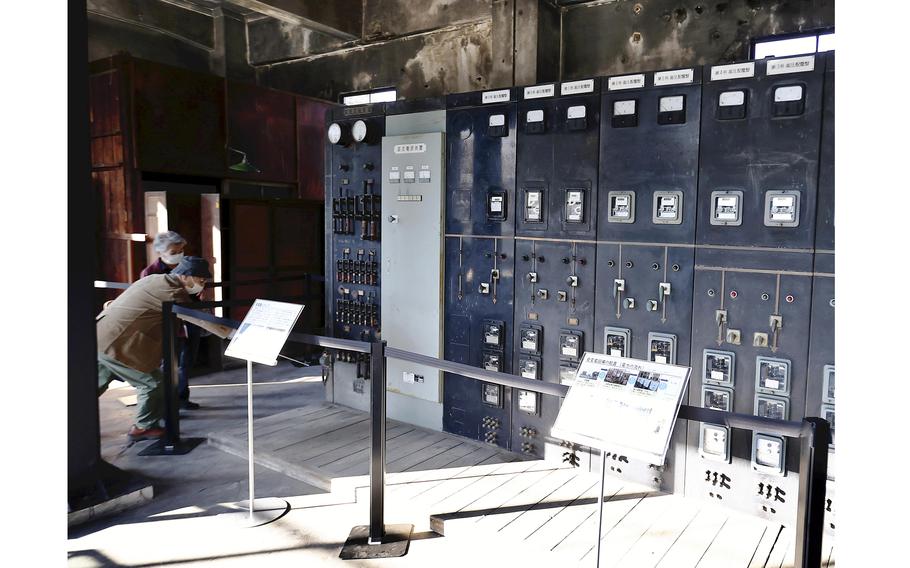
(677, 77)
(540, 91)
(626, 82)
(734, 71)
(495, 96)
(419, 148)
(790, 65)
(576, 87)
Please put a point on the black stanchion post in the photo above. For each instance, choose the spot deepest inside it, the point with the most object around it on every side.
(171, 444)
(377, 436)
(377, 540)
(813, 474)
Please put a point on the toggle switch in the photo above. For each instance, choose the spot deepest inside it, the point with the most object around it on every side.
(759, 339)
(734, 336)
(651, 305)
(484, 288)
(562, 295)
(572, 281)
(619, 285)
(543, 294)
(630, 303)
(663, 290)
(532, 277)
(494, 274)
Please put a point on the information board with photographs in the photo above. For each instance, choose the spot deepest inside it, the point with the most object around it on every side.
(621, 404)
(264, 331)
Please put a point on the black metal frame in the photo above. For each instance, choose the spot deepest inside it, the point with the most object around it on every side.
(814, 434)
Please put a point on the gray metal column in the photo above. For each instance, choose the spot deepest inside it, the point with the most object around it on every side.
(377, 437)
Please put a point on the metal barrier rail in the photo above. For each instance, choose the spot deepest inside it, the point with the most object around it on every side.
(814, 434)
(305, 277)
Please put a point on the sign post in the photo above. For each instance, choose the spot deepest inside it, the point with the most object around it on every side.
(260, 337)
(623, 404)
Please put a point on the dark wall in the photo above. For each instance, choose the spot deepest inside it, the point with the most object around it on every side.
(645, 35)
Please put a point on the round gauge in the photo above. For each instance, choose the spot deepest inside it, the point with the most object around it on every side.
(334, 133)
(360, 130)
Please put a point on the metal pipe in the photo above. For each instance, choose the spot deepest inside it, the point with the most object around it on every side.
(171, 414)
(249, 415)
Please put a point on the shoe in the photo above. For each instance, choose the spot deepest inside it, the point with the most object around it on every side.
(136, 434)
(188, 405)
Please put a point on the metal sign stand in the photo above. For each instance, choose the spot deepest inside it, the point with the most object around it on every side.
(600, 502)
(256, 512)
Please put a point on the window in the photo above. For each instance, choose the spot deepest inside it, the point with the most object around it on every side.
(776, 46)
(363, 98)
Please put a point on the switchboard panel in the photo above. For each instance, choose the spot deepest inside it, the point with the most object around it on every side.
(479, 286)
(353, 210)
(554, 326)
(556, 180)
(413, 170)
(758, 172)
(749, 354)
(649, 166)
(479, 261)
(481, 145)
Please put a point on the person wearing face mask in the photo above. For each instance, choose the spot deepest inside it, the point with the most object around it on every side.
(130, 336)
(170, 247)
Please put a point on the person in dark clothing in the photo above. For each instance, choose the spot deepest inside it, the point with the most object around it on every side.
(169, 245)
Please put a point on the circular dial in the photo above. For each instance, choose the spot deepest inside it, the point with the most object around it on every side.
(360, 130)
(334, 133)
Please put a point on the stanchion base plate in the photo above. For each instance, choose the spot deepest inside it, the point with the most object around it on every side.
(165, 448)
(394, 543)
(267, 509)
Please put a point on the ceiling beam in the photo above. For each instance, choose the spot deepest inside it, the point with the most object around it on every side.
(342, 19)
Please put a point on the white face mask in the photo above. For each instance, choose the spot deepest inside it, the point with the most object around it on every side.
(195, 288)
(171, 258)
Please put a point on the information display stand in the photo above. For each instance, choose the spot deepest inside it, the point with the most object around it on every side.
(260, 337)
(623, 404)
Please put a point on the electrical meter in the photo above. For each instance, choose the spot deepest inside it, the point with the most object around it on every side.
(718, 367)
(491, 394)
(828, 414)
(576, 117)
(336, 134)
(828, 388)
(496, 205)
(726, 208)
(662, 348)
(533, 206)
(529, 339)
(731, 105)
(493, 333)
(781, 208)
(771, 407)
(575, 206)
(714, 442)
(768, 453)
(772, 376)
(528, 401)
(359, 130)
(717, 398)
(789, 100)
(529, 369)
(492, 362)
(625, 113)
(567, 374)
(534, 122)
(617, 341)
(622, 207)
(496, 125)
(671, 110)
(570, 345)
(667, 208)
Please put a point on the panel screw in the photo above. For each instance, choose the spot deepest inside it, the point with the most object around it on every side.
(675, 268)
(789, 298)
(711, 292)
(655, 266)
(765, 296)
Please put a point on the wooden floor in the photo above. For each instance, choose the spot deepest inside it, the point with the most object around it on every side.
(474, 490)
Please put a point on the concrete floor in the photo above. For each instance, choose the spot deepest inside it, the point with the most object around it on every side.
(186, 523)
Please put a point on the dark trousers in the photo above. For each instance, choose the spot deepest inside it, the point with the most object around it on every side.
(187, 347)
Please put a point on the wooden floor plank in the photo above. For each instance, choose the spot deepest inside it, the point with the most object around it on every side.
(626, 518)
(294, 421)
(449, 470)
(360, 454)
(660, 536)
(695, 540)
(544, 511)
(303, 433)
(297, 413)
(736, 543)
(522, 503)
(394, 452)
(344, 451)
(779, 552)
(351, 434)
(765, 545)
(436, 449)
